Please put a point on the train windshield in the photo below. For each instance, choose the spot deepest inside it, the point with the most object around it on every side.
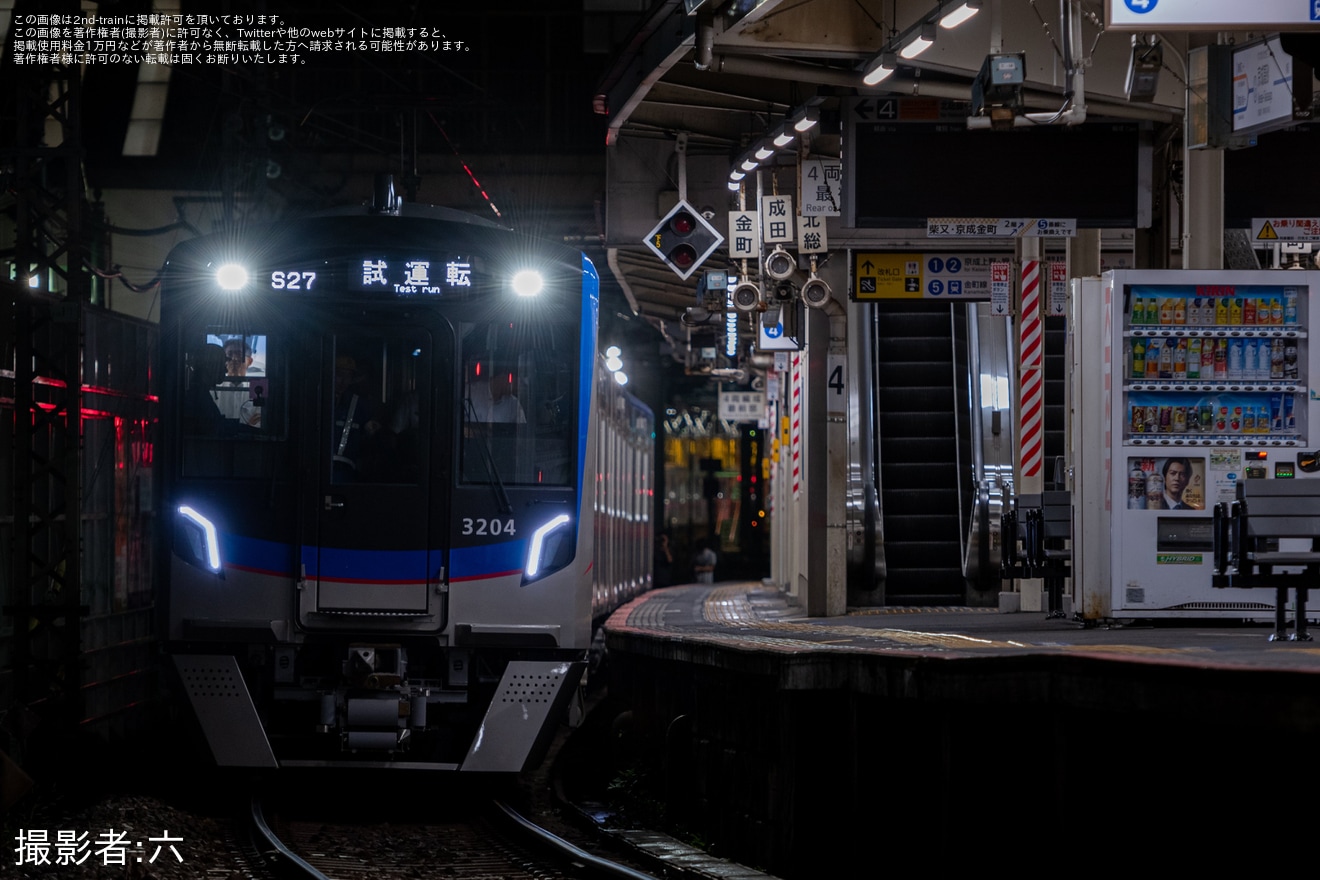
(519, 384)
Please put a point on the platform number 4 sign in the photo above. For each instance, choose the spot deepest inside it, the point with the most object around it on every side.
(837, 384)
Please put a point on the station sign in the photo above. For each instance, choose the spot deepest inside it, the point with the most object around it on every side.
(921, 276)
(742, 406)
(1000, 227)
(1001, 280)
(1058, 289)
(820, 184)
(744, 235)
(812, 238)
(1285, 229)
(775, 337)
(777, 225)
(1212, 15)
(836, 385)
(1262, 85)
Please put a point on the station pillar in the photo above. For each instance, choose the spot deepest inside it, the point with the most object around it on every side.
(1029, 463)
(827, 461)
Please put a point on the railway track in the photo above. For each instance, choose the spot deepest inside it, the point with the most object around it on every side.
(488, 841)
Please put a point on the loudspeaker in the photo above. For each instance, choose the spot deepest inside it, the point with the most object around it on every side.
(746, 297)
(816, 293)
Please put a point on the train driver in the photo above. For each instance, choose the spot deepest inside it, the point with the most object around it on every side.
(492, 396)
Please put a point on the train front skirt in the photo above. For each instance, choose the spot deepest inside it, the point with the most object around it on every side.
(373, 730)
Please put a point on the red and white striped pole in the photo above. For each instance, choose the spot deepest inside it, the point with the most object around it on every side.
(1031, 381)
(795, 424)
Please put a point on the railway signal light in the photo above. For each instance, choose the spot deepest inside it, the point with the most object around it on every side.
(683, 239)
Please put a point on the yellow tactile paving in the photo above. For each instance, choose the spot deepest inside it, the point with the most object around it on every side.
(1130, 649)
(730, 606)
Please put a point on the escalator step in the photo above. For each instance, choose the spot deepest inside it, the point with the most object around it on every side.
(920, 500)
(917, 424)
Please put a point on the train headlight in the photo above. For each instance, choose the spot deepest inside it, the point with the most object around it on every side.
(199, 542)
(528, 282)
(231, 276)
(549, 548)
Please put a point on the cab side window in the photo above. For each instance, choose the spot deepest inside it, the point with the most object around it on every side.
(227, 397)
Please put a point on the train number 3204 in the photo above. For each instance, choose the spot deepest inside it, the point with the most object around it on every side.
(482, 526)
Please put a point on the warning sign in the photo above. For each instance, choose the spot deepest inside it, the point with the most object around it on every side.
(1286, 229)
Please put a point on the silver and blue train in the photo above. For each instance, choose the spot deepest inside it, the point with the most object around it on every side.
(399, 492)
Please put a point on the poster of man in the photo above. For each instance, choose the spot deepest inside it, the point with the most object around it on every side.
(1176, 482)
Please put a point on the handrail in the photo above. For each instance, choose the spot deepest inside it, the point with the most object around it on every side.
(990, 371)
(864, 514)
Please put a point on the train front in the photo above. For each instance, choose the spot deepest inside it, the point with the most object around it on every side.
(379, 534)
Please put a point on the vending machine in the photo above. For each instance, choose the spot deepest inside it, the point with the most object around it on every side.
(1208, 382)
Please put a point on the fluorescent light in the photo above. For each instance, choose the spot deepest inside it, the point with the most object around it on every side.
(920, 43)
(880, 69)
(763, 152)
(736, 175)
(748, 165)
(961, 14)
(808, 118)
(783, 136)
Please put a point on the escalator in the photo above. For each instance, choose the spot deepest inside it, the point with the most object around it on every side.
(937, 393)
(918, 452)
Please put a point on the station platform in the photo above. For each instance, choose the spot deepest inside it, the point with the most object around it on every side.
(750, 616)
(793, 741)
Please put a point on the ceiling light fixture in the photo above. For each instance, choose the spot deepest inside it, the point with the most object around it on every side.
(960, 14)
(805, 119)
(880, 69)
(923, 40)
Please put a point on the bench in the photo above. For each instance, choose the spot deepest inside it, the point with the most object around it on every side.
(1247, 536)
(1036, 532)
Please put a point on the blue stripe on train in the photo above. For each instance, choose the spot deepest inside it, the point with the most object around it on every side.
(587, 365)
(258, 554)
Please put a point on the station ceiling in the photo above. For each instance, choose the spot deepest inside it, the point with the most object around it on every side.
(723, 77)
(583, 119)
